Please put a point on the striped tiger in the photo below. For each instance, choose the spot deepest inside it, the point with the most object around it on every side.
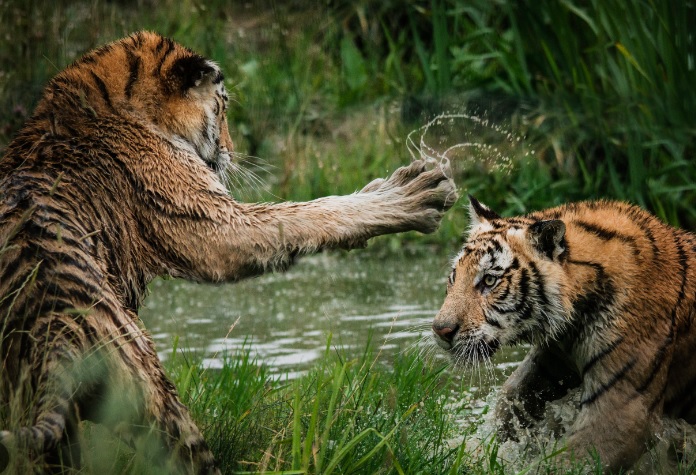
(118, 178)
(604, 292)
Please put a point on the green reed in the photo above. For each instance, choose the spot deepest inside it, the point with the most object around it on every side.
(600, 90)
(608, 85)
(359, 415)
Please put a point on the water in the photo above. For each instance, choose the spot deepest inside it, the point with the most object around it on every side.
(285, 319)
(468, 141)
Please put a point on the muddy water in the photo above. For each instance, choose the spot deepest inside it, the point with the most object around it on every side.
(285, 319)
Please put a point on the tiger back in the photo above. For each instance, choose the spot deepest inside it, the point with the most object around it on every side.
(605, 294)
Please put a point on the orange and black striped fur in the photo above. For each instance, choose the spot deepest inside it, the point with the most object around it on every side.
(116, 179)
(604, 292)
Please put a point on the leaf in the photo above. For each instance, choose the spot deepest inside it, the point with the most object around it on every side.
(627, 54)
(354, 70)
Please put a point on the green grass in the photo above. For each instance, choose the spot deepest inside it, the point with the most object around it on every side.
(344, 416)
(356, 416)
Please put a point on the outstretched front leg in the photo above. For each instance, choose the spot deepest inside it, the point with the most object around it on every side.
(231, 240)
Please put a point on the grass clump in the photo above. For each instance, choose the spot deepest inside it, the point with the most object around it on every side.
(348, 416)
(361, 416)
(343, 416)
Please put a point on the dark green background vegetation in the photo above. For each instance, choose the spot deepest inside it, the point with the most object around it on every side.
(325, 92)
(600, 91)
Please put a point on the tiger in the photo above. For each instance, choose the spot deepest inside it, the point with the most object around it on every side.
(604, 293)
(117, 178)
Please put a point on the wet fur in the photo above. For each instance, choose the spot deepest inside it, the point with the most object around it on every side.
(605, 293)
(116, 180)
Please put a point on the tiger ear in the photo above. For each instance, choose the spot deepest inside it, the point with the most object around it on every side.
(480, 213)
(191, 71)
(548, 237)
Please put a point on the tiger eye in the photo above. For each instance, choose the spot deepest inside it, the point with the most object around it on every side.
(490, 280)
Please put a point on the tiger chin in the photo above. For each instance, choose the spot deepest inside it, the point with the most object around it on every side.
(117, 179)
(605, 294)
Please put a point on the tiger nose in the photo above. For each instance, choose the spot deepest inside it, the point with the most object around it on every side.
(446, 331)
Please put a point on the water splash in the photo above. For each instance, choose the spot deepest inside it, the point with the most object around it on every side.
(481, 142)
(673, 449)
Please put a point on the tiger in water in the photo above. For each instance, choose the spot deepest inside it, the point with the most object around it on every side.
(605, 294)
(117, 179)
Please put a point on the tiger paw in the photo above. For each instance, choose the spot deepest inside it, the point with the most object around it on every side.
(421, 192)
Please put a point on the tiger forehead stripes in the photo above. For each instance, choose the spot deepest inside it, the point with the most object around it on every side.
(117, 179)
(605, 294)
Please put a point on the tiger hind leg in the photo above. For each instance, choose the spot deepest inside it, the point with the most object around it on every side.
(185, 449)
(51, 440)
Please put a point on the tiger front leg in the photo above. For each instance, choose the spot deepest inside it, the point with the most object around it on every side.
(142, 408)
(413, 198)
(544, 375)
(238, 240)
(166, 433)
(616, 428)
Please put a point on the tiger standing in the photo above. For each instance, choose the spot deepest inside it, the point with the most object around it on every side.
(116, 179)
(605, 294)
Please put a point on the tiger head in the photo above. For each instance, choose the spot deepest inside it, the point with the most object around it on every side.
(507, 286)
(150, 80)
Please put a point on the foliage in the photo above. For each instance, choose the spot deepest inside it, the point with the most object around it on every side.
(600, 90)
(604, 87)
(341, 417)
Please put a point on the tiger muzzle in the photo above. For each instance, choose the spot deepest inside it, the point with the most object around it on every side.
(445, 333)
